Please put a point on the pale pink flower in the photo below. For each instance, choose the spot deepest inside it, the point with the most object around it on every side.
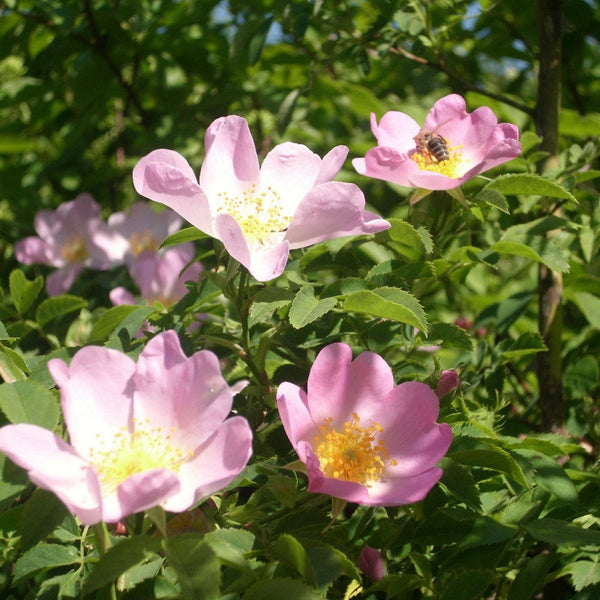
(142, 229)
(71, 238)
(362, 438)
(475, 141)
(161, 277)
(142, 435)
(260, 213)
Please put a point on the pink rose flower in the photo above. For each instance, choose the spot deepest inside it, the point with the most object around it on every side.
(161, 277)
(142, 435)
(362, 438)
(71, 238)
(475, 142)
(142, 229)
(262, 212)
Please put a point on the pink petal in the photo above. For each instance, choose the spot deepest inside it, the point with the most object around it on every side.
(291, 170)
(391, 492)
(61, 280)
(138, 493)
(31, 250)
(404, 490)
(166, 177)
(231, 162)
(216, 464)
(330, 210)
(332, 162)
(387, 164)
(120, 295)
(264, 263)
(55, 466)
(358, 385)
(450, 107)
(186, 397)
(95, 395)
(395, 130)
(296, 419)
(411, 433)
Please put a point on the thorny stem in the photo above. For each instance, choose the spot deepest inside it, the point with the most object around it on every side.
(549, 363)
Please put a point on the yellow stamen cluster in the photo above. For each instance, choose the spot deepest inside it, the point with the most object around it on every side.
(74, 250)
(139, 242)
(455, 166)
(258, 213)
(354, 453)
(130, 453)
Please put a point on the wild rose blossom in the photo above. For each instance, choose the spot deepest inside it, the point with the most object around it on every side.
(475, 141)
(362, 438)
(142, 435)
(160, 277)
(71, 238)
(262, 212)
(142, 229)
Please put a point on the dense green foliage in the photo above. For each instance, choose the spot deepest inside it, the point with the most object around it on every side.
(87, 88)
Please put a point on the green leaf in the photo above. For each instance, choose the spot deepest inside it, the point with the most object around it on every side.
(118, 559)
(450, 336)
(583, 573)
(267, 301)
(278, 588)
(548, 474)
(306, 308)
(29, 402)
(531, 577)
(588, 304)
(290, 551)
(486, 531)
(527, 344)
(493, 198)
(461, 483)
(388, 303)
(529, 184)
(231, 546)
(465, 584)
(42, 514)
(493, 458)
(196, 565)
(12, 365)
(407, 240)
(581, 377)
(58, 306)
(548, 252)
(187, 234)
(560, 533)
(125, 316)
(23, 291)
(44, 557)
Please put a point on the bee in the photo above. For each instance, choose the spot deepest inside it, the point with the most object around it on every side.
(428, 142)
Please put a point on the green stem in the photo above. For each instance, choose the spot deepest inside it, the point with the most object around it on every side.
(549, 364)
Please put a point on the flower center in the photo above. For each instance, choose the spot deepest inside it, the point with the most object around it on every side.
(130, 453)
(354, 453)
(74, 250)
(259, 213)
(454, 166)
(139, 242)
